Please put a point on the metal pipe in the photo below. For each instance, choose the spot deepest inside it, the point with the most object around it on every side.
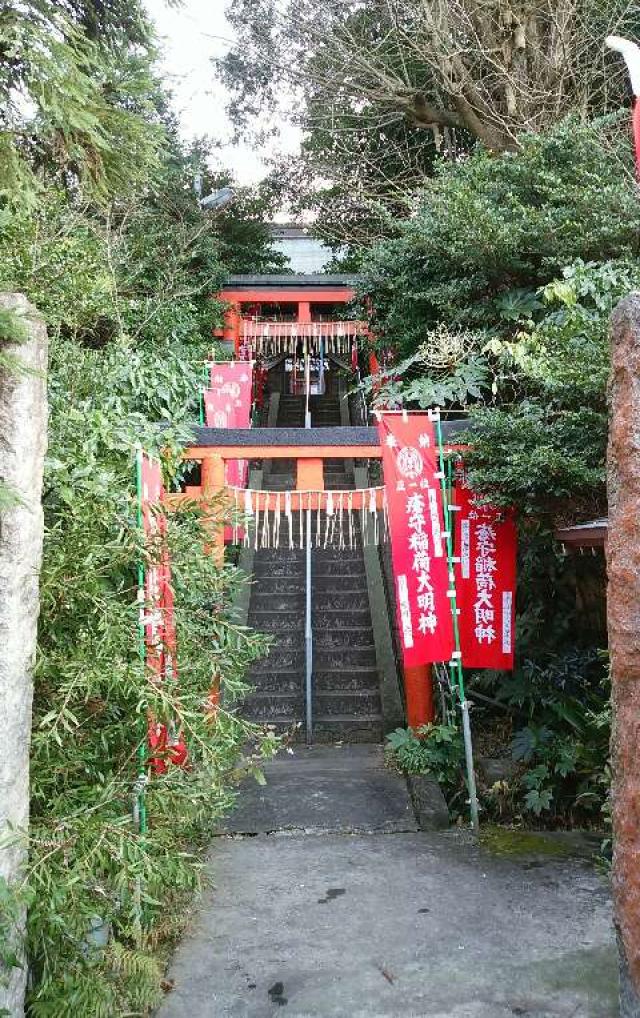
(308, 629)
(471, 774)
(308, 634)
(307, 385)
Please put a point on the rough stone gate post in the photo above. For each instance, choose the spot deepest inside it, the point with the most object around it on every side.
(623, 611)
(23, 439)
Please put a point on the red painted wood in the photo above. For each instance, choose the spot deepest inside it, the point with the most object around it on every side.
(293, 295)
(418, 688)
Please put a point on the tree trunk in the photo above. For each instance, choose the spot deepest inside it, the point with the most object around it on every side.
(23, 436)
(623, 611)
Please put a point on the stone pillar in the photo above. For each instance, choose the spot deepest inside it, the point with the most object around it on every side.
(623, 617)
(23, 438)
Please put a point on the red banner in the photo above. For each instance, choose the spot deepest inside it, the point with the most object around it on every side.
(418, 547)
(228, 399)
(227, 404)
(154, 577)
(486, 544)
(158, 617)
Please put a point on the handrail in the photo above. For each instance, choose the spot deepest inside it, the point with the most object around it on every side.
(308, 625)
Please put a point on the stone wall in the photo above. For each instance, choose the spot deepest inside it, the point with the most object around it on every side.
(23, 438)
(623, 619)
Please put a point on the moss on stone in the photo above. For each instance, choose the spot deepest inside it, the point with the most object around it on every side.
(512, 841)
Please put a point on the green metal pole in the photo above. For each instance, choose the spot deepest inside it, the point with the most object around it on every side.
(206, 367)
(457, 675)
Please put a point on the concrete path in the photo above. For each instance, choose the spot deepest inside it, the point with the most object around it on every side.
(319, 921)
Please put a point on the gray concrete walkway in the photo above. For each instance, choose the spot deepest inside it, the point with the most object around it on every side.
(320, 921)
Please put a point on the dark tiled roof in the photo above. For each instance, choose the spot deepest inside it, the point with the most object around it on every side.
(272, 437)
(316, 280)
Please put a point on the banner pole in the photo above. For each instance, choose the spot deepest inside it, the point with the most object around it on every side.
(139, 797)
(457, 674)
(142, 752)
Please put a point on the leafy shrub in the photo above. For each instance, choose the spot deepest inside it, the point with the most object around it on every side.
(489, 232)
(129, 328)
(563, 744)
(431, 749)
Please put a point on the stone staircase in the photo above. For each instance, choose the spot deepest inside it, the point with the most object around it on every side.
(346, 694)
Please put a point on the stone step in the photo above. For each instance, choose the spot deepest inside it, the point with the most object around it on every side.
(344, 484)
(353, 678)
(286, 681)
(279, 659)
(349, 703)
(353, 638)
(324, 600)
(281, 484)
(346, 729)
(276, 622)
(337, 567)
(283, 602)
(345, 619)
(286, 554)
(293, 731)
(278, 569)
(353, 582)
(347, 657)
(290, 639)
(331, 554)
(274, 585)
(283, 706)
(322, 585)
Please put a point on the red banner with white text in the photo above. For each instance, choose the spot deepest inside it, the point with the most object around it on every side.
(486, 547)
(227, 404)
(158, 617)
(418, 547)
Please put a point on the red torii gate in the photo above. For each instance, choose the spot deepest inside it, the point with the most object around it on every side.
(308, 448)
(245, 292)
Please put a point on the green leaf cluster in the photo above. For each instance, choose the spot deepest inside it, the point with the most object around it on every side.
(528, 254)
(100, 228)
(430, 749)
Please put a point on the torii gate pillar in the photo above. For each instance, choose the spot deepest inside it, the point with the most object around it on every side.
(418, 691)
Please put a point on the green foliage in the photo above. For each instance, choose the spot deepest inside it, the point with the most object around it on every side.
(437, 375)
(567, 748)
(92, 694)
(431, 749)
(100, 228)
(543, 447)
(12, 333)
(82, 110)
(12, 328)
(488, 232)
(525, 256)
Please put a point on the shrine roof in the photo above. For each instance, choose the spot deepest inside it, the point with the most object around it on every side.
(592, 534)
(301, 437)
(298, 282)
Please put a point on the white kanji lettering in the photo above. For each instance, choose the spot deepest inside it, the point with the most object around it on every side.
(427, 623)
(485, 634)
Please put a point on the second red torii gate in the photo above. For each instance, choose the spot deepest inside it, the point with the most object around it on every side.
(308, 448)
